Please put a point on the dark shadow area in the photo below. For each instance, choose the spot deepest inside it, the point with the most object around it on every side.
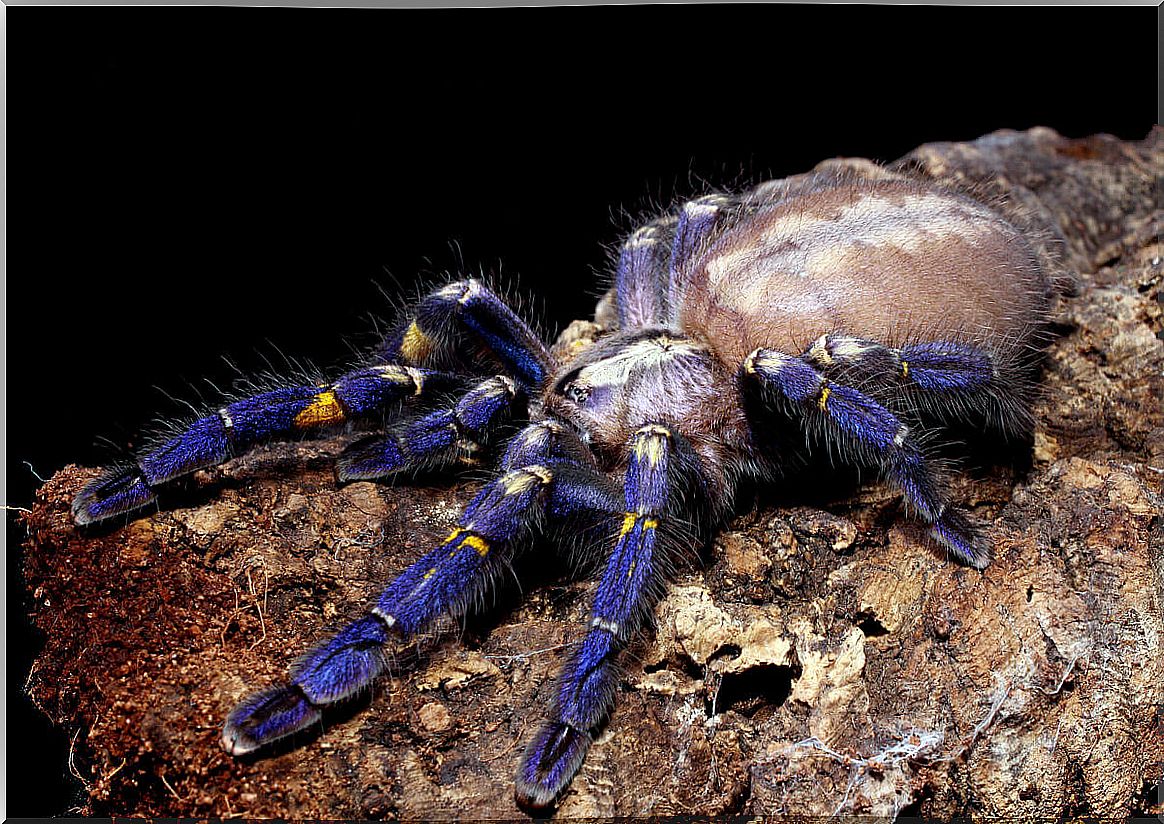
(756, 688)
(869, 625)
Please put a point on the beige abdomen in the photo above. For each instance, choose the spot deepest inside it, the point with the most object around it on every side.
(891, 261)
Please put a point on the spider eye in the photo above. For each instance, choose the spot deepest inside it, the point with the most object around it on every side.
(576, 392)
(570, 387)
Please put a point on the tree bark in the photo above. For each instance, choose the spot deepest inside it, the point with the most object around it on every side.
(825, 659)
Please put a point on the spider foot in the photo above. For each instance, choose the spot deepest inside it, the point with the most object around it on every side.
(963, 537)
(265, 717)
(554, 755)
(118, 491)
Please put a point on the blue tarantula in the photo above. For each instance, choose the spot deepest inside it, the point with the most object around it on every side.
(855, 313)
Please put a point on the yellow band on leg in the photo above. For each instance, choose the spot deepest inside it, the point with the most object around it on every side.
(324, 409)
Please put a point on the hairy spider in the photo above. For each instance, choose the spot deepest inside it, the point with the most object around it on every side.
(855, 313)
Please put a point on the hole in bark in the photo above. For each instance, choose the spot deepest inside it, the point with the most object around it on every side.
(910, 810)
(761, 686)
(681, 664)
(729, 651)
(1030, 593)
(870, 625)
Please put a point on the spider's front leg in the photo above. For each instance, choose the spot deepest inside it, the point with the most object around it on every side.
(447, 321)
(441, 330)
(446, 581)
(630, 585)
(861, 427)
(435, 440)
(238, 426)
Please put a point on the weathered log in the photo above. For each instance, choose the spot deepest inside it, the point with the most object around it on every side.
(826, 659)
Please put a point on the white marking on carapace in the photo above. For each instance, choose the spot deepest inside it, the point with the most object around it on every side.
(643, 354)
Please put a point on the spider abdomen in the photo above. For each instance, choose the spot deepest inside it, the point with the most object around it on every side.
(895, 261)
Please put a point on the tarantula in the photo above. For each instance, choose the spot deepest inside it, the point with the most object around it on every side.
(855, 313)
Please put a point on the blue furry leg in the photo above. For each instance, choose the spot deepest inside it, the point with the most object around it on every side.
(446, 581)
(237, 426)
(641, 278)
(588, 683)
(267, 716)
(435, 440)
(948, 380)
(862, 427)
(938, 367)
(329, 673)
(697, 223)
(434, 332)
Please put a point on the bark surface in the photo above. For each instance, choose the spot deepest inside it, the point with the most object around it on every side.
(826, 659)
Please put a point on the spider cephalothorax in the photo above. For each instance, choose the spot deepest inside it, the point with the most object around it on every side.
(861, 314)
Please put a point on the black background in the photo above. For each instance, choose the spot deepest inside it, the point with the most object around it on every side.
(186, 185)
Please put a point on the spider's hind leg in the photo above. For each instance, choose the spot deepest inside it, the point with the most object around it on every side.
(640, 280)
(861, 427)
(652, 263)
(950, 380)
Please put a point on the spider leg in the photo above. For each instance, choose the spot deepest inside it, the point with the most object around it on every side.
(651, 263)
(640, 281)
(697, 222)
(432, 333)
(434, 440)
(423, 337)
(586, 687)
(446, 581)
(945, 378)
(866, 429)
(543, 441)
(239, 425)
(458, 433)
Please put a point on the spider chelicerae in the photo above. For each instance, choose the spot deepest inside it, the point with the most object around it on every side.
(861, 313)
